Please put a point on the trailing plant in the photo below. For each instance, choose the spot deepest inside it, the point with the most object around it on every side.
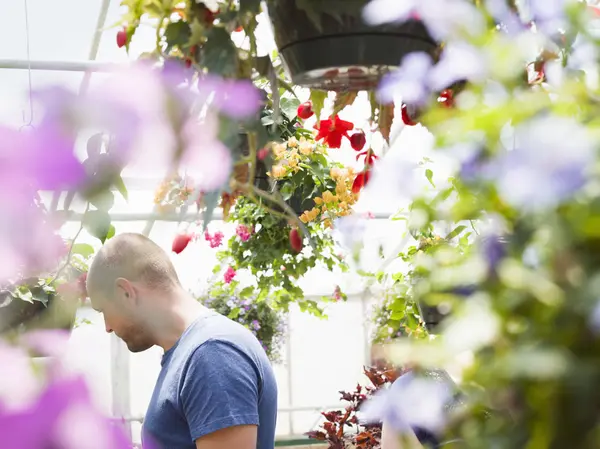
(259, 316)
(274, 250)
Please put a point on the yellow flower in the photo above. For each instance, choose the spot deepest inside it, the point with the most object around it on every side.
(328, 196)
(318, 201)
(279, 150)
(335, 172)
(309, 215)
(292, 162)
(327, 223)
(292, 142)
(305, 148)
(343, 205)
(278, 171)
(341, 189)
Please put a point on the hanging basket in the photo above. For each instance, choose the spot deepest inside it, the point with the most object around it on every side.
(322, 51)
(16, 313)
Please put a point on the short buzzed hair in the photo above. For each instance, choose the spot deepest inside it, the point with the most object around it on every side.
(133, 257)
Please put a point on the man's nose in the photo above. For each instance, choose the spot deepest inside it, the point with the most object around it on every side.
(107, 327)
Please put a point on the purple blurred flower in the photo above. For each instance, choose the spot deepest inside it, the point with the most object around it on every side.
(548, 166)
(239, 99)
(39, 158)
(549, 15)
(408, 82)
(459, 61)
(417, 77)
(412, 402)
(493, 250)
(255, 325)
(443, 18)
(61, 417)
(505, 16)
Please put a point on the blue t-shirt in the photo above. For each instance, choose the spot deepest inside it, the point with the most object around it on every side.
(216, 376)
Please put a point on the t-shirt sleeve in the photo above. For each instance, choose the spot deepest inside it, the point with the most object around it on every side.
(220, 389)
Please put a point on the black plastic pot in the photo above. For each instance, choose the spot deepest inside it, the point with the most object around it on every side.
(343, 53)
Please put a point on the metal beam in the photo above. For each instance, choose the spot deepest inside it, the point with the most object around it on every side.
(60, 66)
(172, 217)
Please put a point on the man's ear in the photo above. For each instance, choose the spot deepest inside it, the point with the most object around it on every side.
(125, 288)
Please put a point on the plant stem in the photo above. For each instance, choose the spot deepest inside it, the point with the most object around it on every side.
(70, 253)
(290, 212)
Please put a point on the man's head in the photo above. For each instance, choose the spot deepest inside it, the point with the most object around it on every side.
(128, 281)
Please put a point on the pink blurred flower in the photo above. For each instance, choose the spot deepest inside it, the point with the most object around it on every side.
(215, 240)
(243, 232)
(229, 275)
(29, 243)
(205, 157)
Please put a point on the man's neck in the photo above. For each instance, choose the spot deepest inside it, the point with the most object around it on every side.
(183, 312)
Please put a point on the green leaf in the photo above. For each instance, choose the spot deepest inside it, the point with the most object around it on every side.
(219, 53)
(83, 249)
(289, 106)
(97, 223)
(103, 200)
(94, 145)
(429, 176)
(246, 291)
(262, 64)
(120, 185)
(318, 97)
(177, 34)
(250, 6)
(455, 232)
(111, 232)
(342, 100)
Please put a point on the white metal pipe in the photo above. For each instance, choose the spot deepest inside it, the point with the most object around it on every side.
(314, 408)
(60, 66)
(174, 217)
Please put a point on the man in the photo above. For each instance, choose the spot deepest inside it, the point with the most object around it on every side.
(216, 388)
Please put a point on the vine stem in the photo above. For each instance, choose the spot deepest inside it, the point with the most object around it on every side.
(276, 198)
(70, 253)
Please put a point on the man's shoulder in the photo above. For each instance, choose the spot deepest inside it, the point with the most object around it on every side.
(216, 336)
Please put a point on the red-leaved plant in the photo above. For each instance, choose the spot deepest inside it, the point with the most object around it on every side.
(341, 428)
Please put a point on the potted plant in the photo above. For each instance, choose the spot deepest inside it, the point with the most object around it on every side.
(327, 45)
(266, 322)
(276, 251)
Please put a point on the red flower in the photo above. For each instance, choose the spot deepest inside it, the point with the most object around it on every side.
(446, 98)
(332, 130)
(361, 180)
(305, 110)
(122, 38)
(262, 154)
(406, 116)
(295, 240)
(180, 242)
(358, 140)
(369, 157)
